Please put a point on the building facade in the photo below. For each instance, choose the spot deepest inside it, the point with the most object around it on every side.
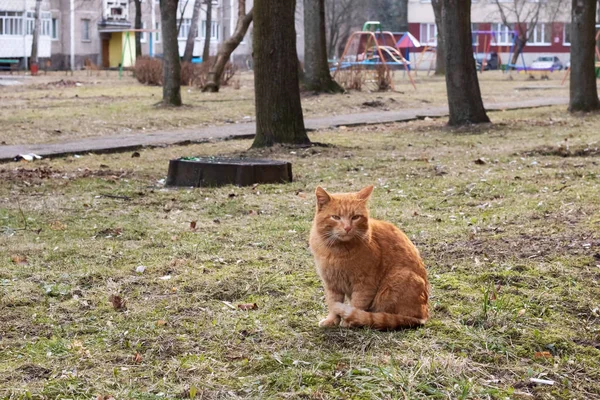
(549, 36)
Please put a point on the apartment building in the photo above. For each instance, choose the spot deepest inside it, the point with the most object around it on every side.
(16, 29)
(550, 36)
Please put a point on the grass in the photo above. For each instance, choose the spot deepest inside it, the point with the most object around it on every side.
(511, 243)
(43, 110)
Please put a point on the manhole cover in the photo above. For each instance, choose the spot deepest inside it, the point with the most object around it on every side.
(218, 171)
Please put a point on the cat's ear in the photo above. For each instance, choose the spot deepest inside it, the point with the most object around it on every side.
(365, 193)
(322, 197)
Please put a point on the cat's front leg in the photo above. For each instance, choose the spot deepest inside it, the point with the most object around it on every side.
(331, 297)
(361, 299)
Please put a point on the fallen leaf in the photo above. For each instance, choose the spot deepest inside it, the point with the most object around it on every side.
(118, 303)
(137, 358)
(543, 354)
(57, 226)
(480, 161)
(174, 238)
(193, 225)
(217, 221)
(135, 154)
(252, 212)
(521, 312)
(231, 195)
(161, 322)
(19, 259)
(248, 306)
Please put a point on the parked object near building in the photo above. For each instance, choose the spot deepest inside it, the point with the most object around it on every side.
(550, 63)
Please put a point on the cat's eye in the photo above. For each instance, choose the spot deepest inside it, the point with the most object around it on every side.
(335, 217)
(355, 217)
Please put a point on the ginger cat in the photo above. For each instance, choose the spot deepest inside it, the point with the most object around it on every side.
(371, 262)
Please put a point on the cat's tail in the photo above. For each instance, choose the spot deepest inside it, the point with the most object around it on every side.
(378, 320)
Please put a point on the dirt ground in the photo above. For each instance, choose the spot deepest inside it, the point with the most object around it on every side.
(59, 106)
(112, 285)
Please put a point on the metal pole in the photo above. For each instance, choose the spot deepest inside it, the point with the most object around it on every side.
(72, 21)
(152, 27)
(25, 35)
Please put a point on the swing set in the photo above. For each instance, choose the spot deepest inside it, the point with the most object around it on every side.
(372, 48)
(491, 38)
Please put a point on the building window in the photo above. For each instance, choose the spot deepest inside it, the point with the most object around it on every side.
(214, 30)
(184, 27)
(475, 38)
(11, 23)
(85, 30)
(542, 35)
(143, 34)
(157, 34)
(428, 34)
(54, 29)
(567, 34)
(503, 35)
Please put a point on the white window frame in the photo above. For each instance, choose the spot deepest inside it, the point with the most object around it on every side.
(534, 40)
(214, 30)
(186, 24)
(502, 35)
(158, 33)
(86, 28)
(143, 34)
(565, 25)
(474, 36)
(428, 40)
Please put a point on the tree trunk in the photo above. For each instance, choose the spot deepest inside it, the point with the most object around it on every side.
(191, 39)
(36, 32)
(403, 15)
(225, 50)
(464, 96)
(519, 46)
(316, 68)
(171, 64)
(583, 90)
(440, 58)
(208, 31)
(138, 25)
(277, 93)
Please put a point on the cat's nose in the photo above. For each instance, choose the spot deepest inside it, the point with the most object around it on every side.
(347, 228)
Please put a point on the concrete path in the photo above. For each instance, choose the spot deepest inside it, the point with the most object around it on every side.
(105, 144)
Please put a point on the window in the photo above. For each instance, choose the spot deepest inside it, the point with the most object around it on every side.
(143, 34)
(214, 30)
(541, 35)
(11, 23)
(184, 29)
(503, 35)
(567, 34)
(46, 23)
(428, 34)
(157, 34)
(475, 39)
(85, 30)
(54, 29)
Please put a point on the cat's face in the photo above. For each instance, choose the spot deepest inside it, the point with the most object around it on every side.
(342, 217)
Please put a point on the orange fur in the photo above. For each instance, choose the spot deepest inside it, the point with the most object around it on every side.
(370, 262)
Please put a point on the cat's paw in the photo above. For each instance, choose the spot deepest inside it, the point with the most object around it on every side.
(329, 322)
(345, 324)
(341, 309)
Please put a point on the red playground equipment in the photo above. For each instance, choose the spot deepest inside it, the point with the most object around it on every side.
(373, 48)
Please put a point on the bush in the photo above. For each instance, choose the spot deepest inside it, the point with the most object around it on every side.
(149, 71)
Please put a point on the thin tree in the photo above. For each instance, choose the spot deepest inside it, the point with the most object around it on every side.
(341, 17)
(36, 32)
(216, 71)
(464, 95)
(138, 25)
(316, 68)
(440, 58)
(171, 64)
(191, 39)
(583, 90)
(277, 93)
(208, 31)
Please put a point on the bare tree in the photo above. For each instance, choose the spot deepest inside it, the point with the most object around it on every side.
(278, 110)
(36, 33)
(171, 63)
(208, 31)
(191, 39)
(228, 47)
(181, 6)
(138, 25)
(440, 57)
(341, 18)
(316, 68)
(583, 90)
(462, 85)
(393, 14)
(524, 16)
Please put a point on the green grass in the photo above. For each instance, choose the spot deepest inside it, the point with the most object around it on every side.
(511, 248)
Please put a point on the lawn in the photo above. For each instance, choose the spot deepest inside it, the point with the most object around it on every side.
(58, 107)
(506, 217)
